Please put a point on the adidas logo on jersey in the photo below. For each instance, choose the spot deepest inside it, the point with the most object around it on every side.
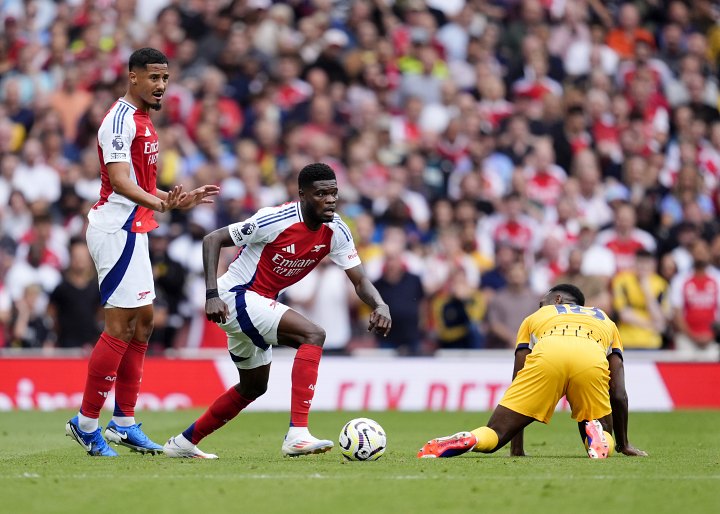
(289, 249)
(147, 132)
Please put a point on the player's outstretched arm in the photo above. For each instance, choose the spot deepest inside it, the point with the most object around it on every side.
(380, 320)
(215, 309)
(619, 404)
(517, 443)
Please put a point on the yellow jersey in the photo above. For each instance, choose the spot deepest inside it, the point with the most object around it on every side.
(570, 320)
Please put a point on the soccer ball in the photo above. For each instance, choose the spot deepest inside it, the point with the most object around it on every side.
(610, 440)
(362, 439)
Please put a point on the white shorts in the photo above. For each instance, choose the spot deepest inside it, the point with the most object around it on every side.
(251, 327)
(122, 261)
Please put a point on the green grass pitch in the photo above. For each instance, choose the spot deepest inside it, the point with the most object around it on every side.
(41, 470)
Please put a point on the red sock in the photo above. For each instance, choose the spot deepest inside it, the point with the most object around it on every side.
(223, 409)
(102, 372)
(304, 376)
(129, 376)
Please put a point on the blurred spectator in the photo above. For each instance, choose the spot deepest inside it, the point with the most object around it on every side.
(496, 279)
(508, 307)
(584, 55)
(622, 38)
(458, 313)
(624, 239)
(33, 171)
(695, 298)
(544, 178)
(16, 218)
(447, 256)
(74, 305)
(170, 277)
(642, 304)
(594, 286)
(511, 226)
(684, 235)
(70, 102)
(32, 270)
(31, 327)
(550, 262)
(688, 188)
(403, 292)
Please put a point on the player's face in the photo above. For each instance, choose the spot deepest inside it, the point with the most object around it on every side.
(150, 84)
(321, 199)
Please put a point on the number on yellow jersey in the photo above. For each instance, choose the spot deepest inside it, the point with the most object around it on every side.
(577, 309)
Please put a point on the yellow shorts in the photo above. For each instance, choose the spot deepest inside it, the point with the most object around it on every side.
(562, 366)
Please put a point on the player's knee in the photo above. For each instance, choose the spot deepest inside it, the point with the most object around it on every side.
(254, 390)
(119, 331)
(316, 336)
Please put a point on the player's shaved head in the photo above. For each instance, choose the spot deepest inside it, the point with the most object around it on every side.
(570, 292)
(314, 172)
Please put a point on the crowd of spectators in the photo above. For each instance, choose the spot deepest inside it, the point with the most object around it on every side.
(484, 150)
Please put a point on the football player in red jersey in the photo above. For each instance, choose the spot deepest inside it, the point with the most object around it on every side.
(278, 247)
(118, 243)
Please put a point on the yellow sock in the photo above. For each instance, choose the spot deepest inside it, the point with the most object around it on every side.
(487, 439)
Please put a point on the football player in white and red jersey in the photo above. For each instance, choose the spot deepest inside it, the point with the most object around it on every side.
(278, 247)
(118, 243)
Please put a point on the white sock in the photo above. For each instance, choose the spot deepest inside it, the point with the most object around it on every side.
(87, 424)
(183, 443)
(294, 432)
(124, 421)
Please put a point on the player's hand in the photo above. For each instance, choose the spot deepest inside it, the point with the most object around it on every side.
(174, 198)
(380, 321)
(199, 196)
(216, 310)
(631, 451)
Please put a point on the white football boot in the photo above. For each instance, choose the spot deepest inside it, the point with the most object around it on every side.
(305, 444)
(180, 447)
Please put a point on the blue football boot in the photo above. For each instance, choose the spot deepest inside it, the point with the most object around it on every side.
(133, 437)
(92, 442)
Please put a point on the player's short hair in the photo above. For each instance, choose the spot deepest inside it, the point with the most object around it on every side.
(314, 172)
(144, 56)
(570, 290)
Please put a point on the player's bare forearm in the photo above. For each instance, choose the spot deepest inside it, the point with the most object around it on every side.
(363, 287)
(212, 244)
(119, 174)
(380, 320)
(619, 405)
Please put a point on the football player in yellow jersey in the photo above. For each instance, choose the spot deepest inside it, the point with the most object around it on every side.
(563, 348)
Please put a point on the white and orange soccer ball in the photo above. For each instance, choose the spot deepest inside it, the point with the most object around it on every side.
(362, 439)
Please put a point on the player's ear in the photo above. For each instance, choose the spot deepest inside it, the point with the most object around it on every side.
(133, 77)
